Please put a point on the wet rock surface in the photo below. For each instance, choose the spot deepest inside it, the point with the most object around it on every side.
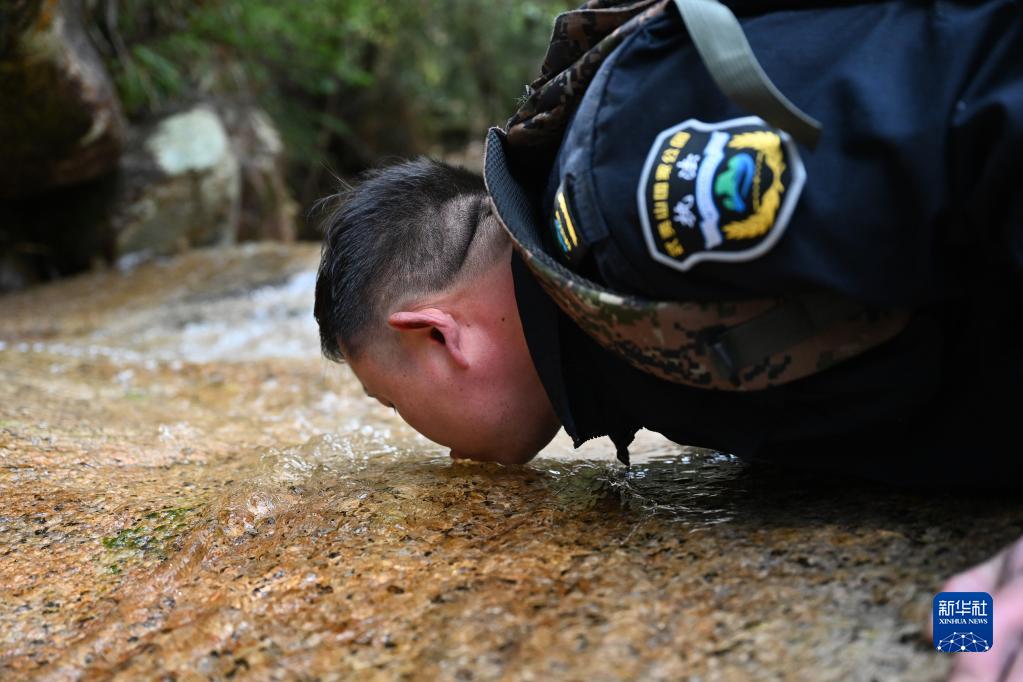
(189, 490)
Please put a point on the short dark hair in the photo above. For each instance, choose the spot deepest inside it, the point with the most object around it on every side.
(403, 230)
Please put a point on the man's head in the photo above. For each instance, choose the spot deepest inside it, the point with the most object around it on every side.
(415, 292)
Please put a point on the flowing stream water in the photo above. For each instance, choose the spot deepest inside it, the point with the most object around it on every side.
(187, 491)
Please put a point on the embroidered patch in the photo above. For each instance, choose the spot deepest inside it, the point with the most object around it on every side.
(564, 228)
(718, 191)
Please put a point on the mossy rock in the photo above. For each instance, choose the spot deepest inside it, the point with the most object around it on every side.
(180, 186)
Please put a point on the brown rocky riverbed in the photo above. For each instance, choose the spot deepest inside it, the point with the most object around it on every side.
(188, 492)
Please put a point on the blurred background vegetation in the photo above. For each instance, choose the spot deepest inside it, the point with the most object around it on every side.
(346, 81)
(265, 106)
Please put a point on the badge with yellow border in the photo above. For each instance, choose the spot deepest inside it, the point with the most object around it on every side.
(718, 191)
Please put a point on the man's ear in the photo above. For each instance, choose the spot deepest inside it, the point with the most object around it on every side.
(442, 327)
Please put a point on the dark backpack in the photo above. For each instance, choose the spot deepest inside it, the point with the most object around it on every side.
(698, 344)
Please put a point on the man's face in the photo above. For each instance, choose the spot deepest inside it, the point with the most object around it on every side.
(463, 377)
(496, 410)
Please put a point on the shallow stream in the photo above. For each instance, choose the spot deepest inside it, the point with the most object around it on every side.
(188, 490)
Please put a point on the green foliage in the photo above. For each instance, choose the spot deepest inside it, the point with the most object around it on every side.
(352, 71)
(471, 58)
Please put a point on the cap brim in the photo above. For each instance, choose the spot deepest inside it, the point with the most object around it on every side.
(516, 205)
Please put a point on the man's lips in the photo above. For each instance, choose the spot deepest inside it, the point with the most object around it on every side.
(499, 457)
(476, 458)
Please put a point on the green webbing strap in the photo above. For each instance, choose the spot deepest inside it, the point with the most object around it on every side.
(722, 45)
(786, 325)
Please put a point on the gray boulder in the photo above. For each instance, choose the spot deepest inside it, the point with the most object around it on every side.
(60, 120)
(180, 186)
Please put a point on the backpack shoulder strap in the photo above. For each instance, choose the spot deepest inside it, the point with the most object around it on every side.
(727, 54)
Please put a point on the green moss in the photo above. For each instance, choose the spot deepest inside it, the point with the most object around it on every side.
(170, 514)
(152, 535)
